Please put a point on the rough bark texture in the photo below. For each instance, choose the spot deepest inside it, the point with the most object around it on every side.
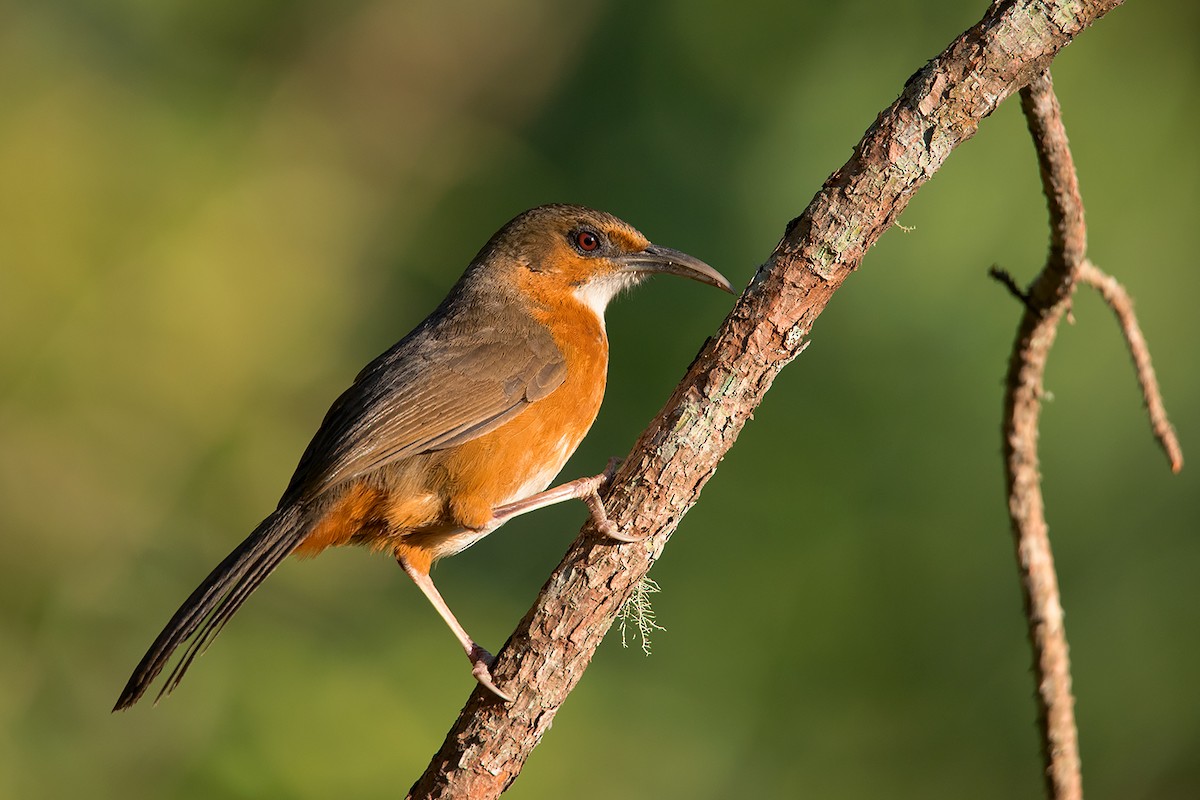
(940, 107)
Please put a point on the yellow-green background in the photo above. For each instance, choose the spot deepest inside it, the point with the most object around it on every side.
(213, 213)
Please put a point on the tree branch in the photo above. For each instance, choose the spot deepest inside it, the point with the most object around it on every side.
(1045, 303)
(1118, 300)
(1047, 300)
(940, 108)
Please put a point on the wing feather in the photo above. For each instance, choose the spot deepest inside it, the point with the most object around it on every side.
(434, 389)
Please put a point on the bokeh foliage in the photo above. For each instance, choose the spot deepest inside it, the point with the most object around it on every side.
(214, 213)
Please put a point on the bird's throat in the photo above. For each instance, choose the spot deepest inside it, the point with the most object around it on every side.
(597, 293)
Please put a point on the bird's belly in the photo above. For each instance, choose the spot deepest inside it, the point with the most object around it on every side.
(505, 468)
(518, 459)
(454, 540)
(538, 479)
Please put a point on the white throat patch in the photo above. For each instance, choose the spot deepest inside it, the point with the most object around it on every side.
(597, 294)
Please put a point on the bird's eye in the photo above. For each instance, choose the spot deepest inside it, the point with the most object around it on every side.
(587, 241)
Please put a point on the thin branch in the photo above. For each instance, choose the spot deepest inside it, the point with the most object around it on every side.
(941, 107)
(1118, 300)
(1005, 279)
(1049, 297)
(1045, 303)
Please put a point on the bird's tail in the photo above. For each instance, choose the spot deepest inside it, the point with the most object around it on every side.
(222, 593)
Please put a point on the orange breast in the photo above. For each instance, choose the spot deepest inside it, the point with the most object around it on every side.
(521, 458)
(419, 507)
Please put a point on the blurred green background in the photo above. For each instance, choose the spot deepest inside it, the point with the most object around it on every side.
(214, 214)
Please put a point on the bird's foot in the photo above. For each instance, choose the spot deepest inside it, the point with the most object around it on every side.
(585, 489)
(481, 662)
(595, 505)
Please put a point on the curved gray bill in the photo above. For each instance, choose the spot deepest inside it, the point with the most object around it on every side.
(663, 259)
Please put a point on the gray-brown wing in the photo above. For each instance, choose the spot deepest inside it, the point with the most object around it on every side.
(434, 389)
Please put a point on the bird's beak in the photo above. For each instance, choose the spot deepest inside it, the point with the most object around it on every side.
(663, 259)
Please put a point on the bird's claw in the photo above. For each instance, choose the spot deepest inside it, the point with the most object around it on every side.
(481, 661)
(610, 531)
(604, 526)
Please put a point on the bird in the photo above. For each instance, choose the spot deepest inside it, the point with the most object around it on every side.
(456, 429)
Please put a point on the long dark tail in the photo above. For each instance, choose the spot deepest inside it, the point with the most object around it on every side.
(222, 593)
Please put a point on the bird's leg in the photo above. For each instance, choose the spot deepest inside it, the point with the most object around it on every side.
(481, 660)
(585, 489)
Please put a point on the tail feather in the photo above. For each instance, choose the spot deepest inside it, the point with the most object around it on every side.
(205, 612)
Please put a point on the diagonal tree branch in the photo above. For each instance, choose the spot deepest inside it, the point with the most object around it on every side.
(940, 108)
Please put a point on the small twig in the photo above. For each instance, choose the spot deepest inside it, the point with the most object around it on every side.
(1005, 279)
(1119, 301)
(1048, 299)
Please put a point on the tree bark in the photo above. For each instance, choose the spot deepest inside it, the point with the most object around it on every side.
(940, 108)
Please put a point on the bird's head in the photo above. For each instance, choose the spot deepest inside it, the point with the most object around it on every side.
(555, 251)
